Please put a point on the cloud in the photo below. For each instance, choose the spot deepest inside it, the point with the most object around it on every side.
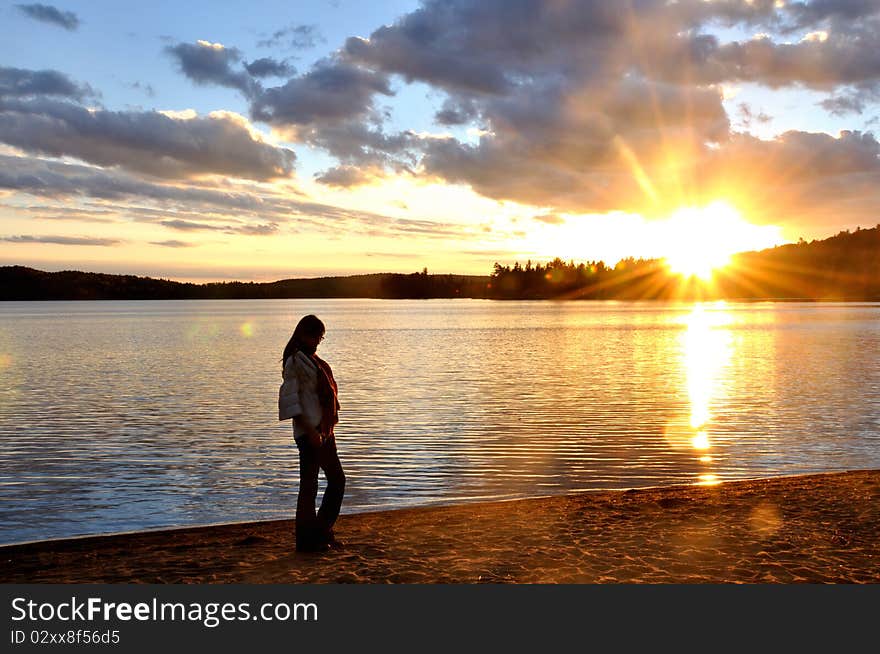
(206, 63)
(799, 178)
(63, 240)
(800, 15)
(748, 116)
(842, 58)
(263, 229)
(17, 82)
(78, 214)
(550, 218)
(343, 177)
(330, 92)
(851, 101)
(173, 244)
(148, 142)
(146, 88)
(355, 144)
(456, 113)
(587, 106)
(205, 208)
(393, 255)
(188, 226)
(266, 229)
(572, 148)
(49, 14)
(268, 67)
(296, 37)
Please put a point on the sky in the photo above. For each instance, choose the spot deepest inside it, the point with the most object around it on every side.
(205, 141)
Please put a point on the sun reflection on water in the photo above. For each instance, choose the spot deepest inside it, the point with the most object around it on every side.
(707, 351)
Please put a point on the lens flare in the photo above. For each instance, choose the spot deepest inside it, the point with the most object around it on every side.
(703, 239)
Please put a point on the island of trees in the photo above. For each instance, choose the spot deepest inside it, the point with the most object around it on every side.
(845, 267)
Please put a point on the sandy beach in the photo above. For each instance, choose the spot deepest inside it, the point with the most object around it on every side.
(812, 528)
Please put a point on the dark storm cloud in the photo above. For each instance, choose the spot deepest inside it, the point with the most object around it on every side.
(268, 67)
(63, 240)
(148, 142)
(49, 14)
(209, 63)
(17, 82)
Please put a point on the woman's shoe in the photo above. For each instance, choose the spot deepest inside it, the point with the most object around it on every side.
(312, 545)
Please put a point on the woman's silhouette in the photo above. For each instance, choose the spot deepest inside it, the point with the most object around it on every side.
(309, 396)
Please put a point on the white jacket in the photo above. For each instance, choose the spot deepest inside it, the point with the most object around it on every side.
(298, 395)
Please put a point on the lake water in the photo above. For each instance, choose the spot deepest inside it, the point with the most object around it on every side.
(128, 415)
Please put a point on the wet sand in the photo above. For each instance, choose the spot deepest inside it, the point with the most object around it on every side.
(813, 528)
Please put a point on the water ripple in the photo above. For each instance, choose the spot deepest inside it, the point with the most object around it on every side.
(128, 415)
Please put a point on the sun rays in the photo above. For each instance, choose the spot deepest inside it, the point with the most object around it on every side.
(701, 240)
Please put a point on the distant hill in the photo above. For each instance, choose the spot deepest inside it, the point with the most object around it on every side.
(845, 266)
(21, 283)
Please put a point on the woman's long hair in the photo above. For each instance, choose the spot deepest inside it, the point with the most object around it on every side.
(309, 325)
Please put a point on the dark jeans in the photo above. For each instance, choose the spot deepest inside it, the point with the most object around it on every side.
(312, 528)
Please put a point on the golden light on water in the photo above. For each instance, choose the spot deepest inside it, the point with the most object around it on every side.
(5, 361)
(247, 329)
(707, 350)
(203, 331)
(700, 441)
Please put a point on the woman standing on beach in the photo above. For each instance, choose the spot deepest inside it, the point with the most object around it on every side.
(309, 396)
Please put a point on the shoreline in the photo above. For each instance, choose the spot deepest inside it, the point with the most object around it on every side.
(437, 504)
(817, 528)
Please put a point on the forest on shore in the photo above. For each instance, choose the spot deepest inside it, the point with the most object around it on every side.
(843, 267)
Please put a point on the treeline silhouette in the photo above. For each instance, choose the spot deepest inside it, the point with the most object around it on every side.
(845, 266)
(21, 283)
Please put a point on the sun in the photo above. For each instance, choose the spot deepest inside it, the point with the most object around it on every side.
(701, 240)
